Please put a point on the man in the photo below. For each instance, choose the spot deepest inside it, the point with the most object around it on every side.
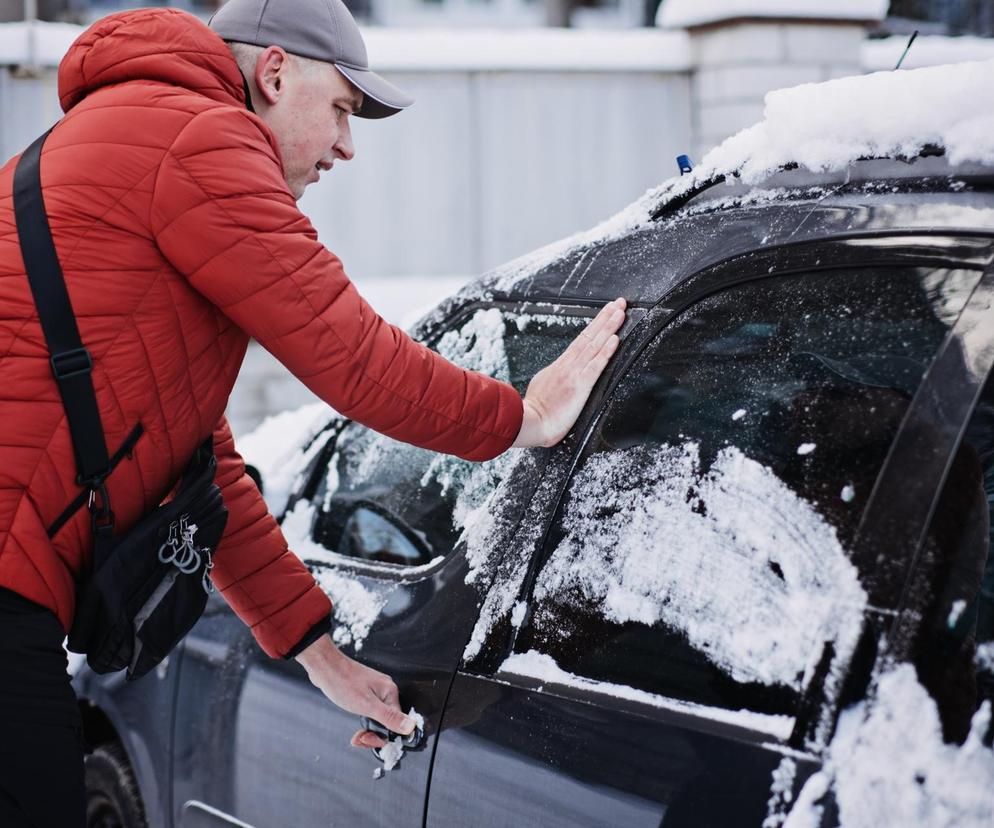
(171, 188)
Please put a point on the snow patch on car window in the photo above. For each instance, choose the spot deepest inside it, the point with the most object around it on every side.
(781, 793)
(355, 606)
(543, 667)
(749, 572)
(478, 345)
(984, 658)
(497, 553)
(276, 449)
(888, 765)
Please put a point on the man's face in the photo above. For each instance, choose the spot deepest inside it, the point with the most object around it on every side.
(308, 110)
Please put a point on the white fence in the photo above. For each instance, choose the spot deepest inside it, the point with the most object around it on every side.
(514, 140)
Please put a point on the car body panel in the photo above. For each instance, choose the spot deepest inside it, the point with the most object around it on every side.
(289, 761)
(532, 756)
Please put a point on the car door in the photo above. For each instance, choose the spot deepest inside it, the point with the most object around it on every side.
(694, 604)
(379, 523)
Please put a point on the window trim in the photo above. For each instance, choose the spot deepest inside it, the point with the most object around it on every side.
(688, 719)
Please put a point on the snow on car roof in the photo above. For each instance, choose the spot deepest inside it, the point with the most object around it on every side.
(684, 13)
(824, 127)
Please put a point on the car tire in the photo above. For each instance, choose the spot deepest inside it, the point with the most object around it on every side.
(112, 797)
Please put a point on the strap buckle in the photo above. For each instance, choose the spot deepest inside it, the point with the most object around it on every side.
(101, 516)
(70, 363)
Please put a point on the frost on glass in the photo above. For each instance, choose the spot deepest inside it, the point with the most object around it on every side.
(730, 557)
(364, 456)
(442, 499)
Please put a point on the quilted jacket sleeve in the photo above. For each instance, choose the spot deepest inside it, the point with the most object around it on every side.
(264, 583)
(223, 216)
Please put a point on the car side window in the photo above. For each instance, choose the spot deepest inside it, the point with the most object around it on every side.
(386, 501)
(700, 552)
(952, 591)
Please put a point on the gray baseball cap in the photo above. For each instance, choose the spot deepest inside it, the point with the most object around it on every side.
(318, 29)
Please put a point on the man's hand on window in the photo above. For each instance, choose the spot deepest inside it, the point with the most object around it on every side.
(355, 688)
(558, 392)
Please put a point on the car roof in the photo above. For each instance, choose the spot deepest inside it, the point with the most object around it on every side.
(645, 261)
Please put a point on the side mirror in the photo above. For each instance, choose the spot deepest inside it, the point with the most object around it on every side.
(371, 535)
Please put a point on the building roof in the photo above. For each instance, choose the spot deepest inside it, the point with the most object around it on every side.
(682, 14)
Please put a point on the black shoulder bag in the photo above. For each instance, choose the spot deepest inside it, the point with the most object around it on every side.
(148, 587)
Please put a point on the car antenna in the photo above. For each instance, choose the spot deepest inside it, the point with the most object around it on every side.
(907, 49)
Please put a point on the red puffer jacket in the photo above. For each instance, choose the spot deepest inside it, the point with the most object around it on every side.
(179, 240)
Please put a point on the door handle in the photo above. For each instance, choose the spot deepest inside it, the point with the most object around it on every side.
(413, 741)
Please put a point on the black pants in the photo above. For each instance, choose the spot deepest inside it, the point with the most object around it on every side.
(41, 746)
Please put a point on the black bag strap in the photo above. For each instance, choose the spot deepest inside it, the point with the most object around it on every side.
(71, 362)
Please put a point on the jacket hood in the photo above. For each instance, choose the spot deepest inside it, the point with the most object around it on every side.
(163, 45)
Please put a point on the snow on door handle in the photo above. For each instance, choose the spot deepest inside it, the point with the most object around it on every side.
(391, 753)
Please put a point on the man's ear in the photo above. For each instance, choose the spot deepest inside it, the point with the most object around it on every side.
(270, 73)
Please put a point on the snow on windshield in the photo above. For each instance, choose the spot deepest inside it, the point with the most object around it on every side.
(276, 449)
(824, 127)
(888, 765)
(731, 557)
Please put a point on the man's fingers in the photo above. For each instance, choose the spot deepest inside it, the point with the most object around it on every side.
(603, 333)
(593, 369)
(389, 693)
(394, 719)
(609, 319)
(367, 739)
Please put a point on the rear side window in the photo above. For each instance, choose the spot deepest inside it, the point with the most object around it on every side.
(386, 501)
(952, 592)
(700, 552)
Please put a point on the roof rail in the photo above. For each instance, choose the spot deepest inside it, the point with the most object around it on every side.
(669, 205)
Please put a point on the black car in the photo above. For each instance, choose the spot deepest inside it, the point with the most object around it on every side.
(778, 496)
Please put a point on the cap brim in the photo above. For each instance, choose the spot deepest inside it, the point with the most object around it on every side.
(381, 98)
